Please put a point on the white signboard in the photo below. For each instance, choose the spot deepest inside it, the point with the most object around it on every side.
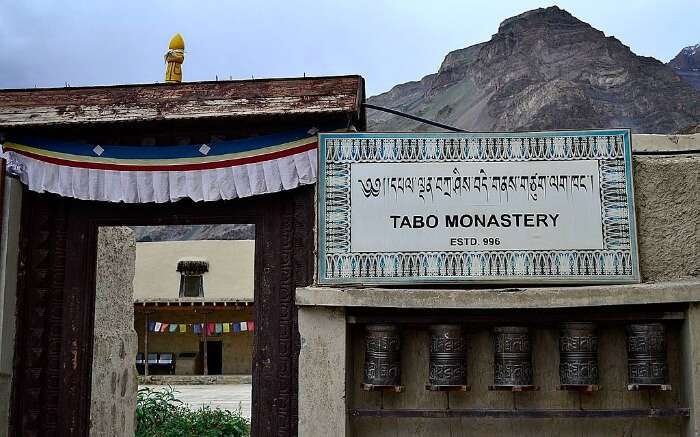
(417, 208)
(477, 205)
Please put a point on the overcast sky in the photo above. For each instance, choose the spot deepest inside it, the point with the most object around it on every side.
(48, 43)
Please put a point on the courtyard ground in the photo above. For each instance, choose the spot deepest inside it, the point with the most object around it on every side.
(225, 396)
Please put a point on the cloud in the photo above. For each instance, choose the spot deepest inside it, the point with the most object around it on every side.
(47, 43)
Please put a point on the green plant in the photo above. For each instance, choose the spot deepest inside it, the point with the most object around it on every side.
(160, 414)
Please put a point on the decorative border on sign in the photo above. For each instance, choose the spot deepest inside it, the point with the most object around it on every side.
(614, 205)
(385, 148)
(480, 264)
(337, 211)
(617, 262)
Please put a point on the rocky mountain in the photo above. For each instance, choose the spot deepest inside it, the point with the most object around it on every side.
(686, 64)
(544, 69)
(194, 232)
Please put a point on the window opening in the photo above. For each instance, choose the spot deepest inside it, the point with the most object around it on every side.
(192, 277)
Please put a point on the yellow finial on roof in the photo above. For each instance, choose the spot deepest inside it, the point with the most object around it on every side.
(177, 43)
(174, 59)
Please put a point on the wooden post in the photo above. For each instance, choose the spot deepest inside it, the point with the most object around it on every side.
(145, 344)
(690, 367)
(205, 364)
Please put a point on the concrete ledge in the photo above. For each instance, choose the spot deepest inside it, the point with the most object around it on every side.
(679, 291)
(664, 143)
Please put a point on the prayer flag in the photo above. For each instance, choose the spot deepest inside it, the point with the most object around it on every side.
(156, 327)
(236, 327)
(210, 329)
(173, 327)
(197, 328)
(251, 325)
(227, 327)
(163, 327)
(60, 167)
(151, 326)
(219, 329)
(183, 328)
(244, 326)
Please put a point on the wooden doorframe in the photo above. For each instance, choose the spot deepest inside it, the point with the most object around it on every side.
(56, 297)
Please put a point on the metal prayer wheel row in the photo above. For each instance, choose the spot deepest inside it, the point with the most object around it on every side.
(578, 356)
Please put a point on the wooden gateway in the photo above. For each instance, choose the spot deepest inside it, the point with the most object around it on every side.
(56, 279)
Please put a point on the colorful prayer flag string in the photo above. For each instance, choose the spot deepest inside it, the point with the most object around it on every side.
(212, 329)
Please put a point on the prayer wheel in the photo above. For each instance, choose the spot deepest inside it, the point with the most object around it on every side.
(448, 350)
(382, 356)
(646, 354)
(578, 354)
(513, 361)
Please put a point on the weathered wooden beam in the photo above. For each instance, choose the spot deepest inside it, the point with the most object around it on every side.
(196, 100)
(530, 317)
(138, 308)
(522, 414)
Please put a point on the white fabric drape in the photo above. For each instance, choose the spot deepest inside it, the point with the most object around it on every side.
(226, 183)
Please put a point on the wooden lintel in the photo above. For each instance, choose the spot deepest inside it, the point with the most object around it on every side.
(530, 317)
(138, 308)
(522, 414)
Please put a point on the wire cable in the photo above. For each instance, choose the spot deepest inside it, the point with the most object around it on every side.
(413, 117)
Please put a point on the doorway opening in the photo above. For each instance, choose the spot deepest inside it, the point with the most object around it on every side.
(58, 252)
(193, 285)
(214, 356)
(178, 303)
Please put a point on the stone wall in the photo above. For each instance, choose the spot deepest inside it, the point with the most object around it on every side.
(667, 201)
(113, 397)
(221, 281)
(324, 359)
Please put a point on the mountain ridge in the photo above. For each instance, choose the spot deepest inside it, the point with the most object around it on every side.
(686, 64)
(544, 69)
(145, 234)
